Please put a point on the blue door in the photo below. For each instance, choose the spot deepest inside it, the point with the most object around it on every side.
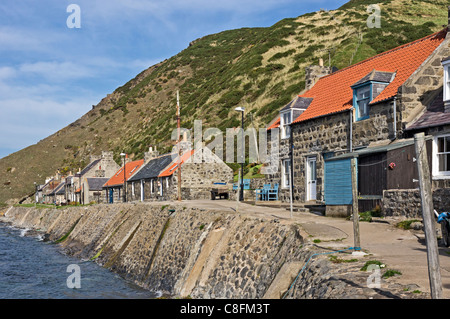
(111, 195)
(338, 182)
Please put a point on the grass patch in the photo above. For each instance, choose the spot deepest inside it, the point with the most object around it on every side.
(367, 216)
(372, 262)
(391, 273)
(406, 224)
(63, 238)
(336, 260)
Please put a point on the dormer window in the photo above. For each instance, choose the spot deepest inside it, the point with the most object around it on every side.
(285, 122)
(363, 96)
(290, 112)
(367, 89)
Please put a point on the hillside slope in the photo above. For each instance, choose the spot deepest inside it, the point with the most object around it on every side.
(258, 68)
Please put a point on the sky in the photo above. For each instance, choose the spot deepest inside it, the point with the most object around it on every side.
(58, 58)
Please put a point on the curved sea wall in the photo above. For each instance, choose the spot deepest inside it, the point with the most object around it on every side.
(186, 251)
(173, 249)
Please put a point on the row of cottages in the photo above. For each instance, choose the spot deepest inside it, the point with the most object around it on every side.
(83, 187)
(86, 185)
(155, 178)
(369, 111)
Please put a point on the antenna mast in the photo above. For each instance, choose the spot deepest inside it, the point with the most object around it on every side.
(179, 146)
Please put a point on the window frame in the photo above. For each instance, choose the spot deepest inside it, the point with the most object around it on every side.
(437, 174)
(446, 82)
(285, 127)
(285, 176)
(363, 86)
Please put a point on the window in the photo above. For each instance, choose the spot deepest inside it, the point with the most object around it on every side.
(441, 156)
(286, 173)
(447, 84)
(361, 102)
(285, 121)
(446, 65)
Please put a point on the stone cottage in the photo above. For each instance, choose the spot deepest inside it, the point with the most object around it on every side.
(366, 106)
(57, 196)
(158, 178)
(113, 189)
(76, 185)
(145, 184)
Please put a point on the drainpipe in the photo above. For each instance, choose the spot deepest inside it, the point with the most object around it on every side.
(395, 117)
(351, 130)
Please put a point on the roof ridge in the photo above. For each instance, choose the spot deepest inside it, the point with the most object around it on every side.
(387, 52)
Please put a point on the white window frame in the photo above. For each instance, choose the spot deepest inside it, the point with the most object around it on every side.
(285, 176)
(285, 127)
(437, 174)
(446, 65)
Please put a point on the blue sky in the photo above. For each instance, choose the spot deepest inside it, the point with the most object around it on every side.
(51, 74)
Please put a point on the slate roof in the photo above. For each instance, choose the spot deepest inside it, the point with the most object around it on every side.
(153, 168)
(131, 168)
(333, 93)
(88, 167)
(433, 116)
(298, 103)
(375, 149)
(378, 76)
(96, 183)
(59, 190)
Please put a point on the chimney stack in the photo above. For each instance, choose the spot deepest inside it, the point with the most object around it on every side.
(320, 62)
(151, 154)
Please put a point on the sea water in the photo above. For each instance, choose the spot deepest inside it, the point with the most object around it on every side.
(33, 269)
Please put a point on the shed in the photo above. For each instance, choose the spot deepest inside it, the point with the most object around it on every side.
(382, 167)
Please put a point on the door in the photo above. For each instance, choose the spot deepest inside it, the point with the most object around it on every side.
(111, 195)
(311, 180)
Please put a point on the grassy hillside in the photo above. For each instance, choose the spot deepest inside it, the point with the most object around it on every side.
(258, 68)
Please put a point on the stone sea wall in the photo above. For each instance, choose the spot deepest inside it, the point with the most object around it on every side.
(187, 251)
(172, 249)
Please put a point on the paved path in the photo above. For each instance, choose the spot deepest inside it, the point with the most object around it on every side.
(399, 249)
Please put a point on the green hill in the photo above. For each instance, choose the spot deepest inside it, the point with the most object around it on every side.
(258, 68)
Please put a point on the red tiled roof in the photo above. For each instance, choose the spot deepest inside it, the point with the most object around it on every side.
(332, 93)
(171, 168)
(130, 169)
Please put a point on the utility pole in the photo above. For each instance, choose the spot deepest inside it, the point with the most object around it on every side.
(426, 196)
(179, 146)
(355, 209)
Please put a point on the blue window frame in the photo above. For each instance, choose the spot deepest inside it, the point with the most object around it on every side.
(362, 95)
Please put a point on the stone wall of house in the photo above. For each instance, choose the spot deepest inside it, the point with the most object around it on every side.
(379, 126)
(418, 91)
(283, 153)
(316, 137)
(407, 202)
(312, 139)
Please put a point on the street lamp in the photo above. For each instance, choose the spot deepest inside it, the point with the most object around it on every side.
(124, 178)
(241, 193)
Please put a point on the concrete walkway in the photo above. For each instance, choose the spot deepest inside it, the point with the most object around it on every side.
(399, 249)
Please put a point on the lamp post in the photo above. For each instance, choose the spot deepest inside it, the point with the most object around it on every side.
(35, 194)
(124, 179)
(241, 193)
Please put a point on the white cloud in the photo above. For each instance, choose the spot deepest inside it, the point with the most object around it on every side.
(55, 70)
(7, 72)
